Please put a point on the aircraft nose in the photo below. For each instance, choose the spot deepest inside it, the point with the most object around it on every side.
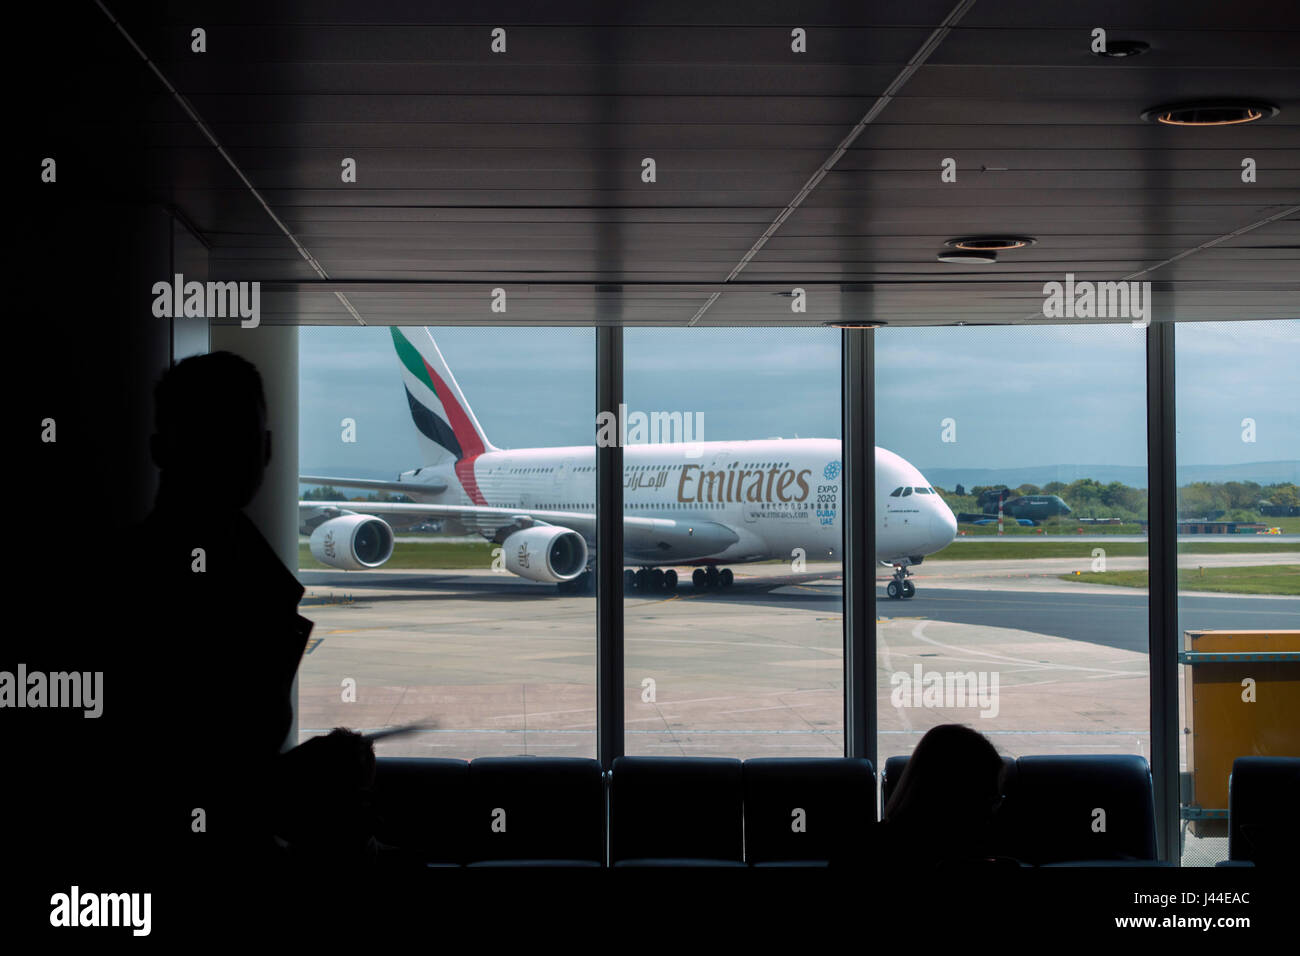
(943, 527)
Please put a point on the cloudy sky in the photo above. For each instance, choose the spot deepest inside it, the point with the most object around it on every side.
(1018, 397)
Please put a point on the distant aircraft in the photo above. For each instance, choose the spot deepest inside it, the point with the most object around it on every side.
(1034, 507)
(706, 504)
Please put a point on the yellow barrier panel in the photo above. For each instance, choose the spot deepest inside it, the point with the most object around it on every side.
(1242, 694)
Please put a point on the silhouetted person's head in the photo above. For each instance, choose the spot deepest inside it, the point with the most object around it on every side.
(951, 787)
(210, 440)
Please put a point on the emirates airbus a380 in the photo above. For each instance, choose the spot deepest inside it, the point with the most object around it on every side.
(703, 504)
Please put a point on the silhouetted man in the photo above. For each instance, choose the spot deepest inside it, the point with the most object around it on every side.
(215, 662)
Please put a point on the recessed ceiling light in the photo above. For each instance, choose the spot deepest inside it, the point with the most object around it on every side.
(990, 243)
(1211, 113)
(1121, 48)
(967, 257)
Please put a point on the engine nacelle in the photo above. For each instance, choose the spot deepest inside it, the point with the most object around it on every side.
(352, 542)
(546, 554)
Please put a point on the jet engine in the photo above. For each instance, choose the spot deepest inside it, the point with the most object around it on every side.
(546, 553)
(352, 542)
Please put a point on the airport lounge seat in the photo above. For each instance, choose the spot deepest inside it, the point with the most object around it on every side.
(535, 812)
(1263, 802)
(1095, 809)
(421, 804)
(800, 811)
(676, 811)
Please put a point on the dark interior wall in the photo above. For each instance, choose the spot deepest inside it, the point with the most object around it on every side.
(83, 349)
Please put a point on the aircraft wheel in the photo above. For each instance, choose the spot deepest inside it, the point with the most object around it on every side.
(657, 579)
(670, 580)
(909, 589)
(893, 590)
(642, 579)
(711, 576)
(725, 577)
(629, 580)
(700, 578)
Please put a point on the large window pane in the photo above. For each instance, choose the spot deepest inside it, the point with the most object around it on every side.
(1031, 626)
(1239, 559)
(464, 624)
(744, 657)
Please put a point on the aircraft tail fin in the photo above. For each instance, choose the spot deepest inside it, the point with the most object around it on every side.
(444, 422)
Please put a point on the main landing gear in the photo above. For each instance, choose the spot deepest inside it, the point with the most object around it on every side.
(712, 577)
(649, 580)
(653, 580)
(584, 583)
(900, 588)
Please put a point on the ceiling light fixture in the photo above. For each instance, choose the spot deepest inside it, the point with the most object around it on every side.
(1211, 113)
(1122, 48)
(962, 256)
(990, 243)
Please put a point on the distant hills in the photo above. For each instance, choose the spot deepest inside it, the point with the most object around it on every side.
(1135, 476)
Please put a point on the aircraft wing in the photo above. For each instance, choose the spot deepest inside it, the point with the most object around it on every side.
(661, 539)
(432, 487)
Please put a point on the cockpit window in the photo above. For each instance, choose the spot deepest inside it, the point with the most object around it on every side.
(922, 491)
(906, 492)
(896, 492)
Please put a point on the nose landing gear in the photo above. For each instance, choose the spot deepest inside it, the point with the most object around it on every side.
(900, 588)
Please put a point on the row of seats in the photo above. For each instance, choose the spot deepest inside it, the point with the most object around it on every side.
(702, 811)
(1092, 808)
(552, 811)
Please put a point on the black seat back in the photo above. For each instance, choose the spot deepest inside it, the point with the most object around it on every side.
(536, 809)
(421, 803)
(1086, 807)
(1263, 802)
(687, 808)
(806, 808)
